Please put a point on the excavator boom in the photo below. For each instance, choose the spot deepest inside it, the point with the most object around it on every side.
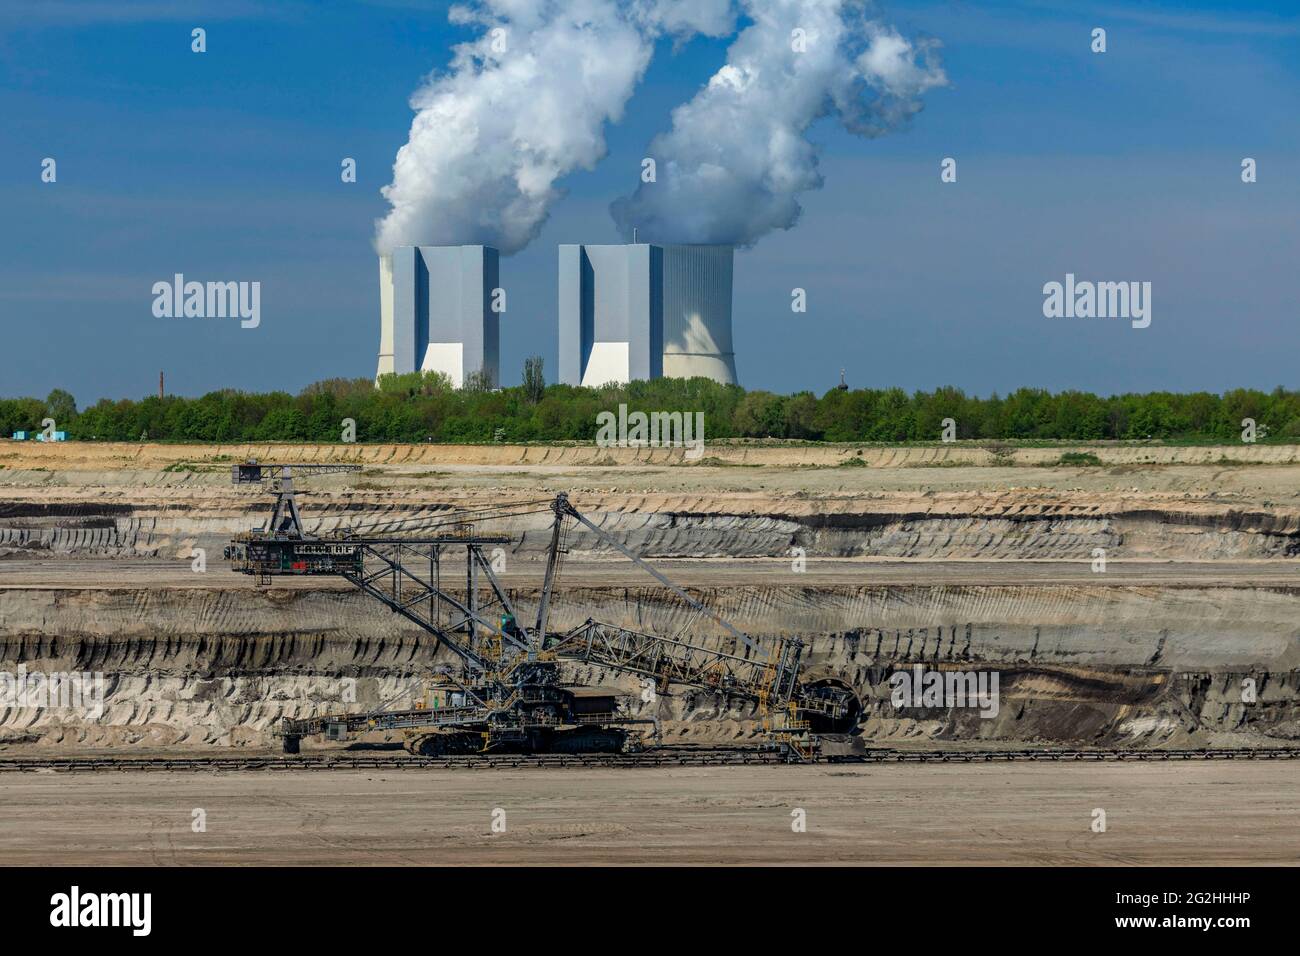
(508, 690)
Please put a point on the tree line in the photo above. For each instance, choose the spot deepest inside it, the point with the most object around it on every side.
(420, 407)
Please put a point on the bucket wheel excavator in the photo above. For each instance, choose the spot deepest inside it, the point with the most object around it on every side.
(507, 691)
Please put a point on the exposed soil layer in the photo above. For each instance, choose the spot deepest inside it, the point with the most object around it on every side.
(1077, 665)
(170, 519)
(127, 455)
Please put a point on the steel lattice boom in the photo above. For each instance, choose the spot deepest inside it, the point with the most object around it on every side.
(507, 692)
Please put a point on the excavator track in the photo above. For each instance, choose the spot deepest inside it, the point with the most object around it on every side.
(658, 757)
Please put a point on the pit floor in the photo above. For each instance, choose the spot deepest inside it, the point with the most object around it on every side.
(1171, 814)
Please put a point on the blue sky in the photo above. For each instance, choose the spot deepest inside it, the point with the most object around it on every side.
(225, 165)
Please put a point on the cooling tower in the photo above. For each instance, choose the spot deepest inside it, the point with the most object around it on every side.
(642, 311)
(386, 363)
(435, 311)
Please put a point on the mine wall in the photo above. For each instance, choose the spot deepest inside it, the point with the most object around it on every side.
(1078, 666)
(109, 530)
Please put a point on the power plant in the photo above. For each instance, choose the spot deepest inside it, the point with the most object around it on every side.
(644, 311)
(626, 312)
(436, 311)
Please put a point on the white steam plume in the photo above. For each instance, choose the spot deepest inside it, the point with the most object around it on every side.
(737, 157)
(520, 107)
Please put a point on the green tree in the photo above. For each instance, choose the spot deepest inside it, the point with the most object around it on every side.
(62, 407)
(479, 380)
(534, 381)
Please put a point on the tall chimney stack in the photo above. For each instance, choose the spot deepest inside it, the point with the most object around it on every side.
(160, 384)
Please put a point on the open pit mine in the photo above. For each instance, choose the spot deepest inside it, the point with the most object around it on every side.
(1147, 603)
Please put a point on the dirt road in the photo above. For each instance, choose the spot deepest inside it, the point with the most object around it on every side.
(1174, 814)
